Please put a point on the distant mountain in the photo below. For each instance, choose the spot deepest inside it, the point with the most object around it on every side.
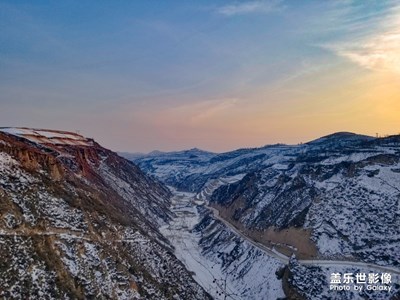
(191, 169)
(77, 221)
(172, 167)
(132, 156)
(339, 139)
(334, 198)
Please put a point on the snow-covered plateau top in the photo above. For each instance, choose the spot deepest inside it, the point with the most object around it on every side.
(45, 136)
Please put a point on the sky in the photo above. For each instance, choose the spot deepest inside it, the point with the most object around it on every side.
(217, 75)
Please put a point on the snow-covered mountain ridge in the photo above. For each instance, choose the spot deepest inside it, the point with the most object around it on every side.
(335, 198)
(79, 222)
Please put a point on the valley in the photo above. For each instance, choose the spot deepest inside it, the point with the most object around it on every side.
(223, 279)
(79, 221)
(187, 235)
(327, 206)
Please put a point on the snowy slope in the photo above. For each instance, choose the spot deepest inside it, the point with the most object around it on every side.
(336, 198)
(223, 263)
(79, 222)
(46, 136)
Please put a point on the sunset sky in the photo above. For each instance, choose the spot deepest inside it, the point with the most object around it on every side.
(217, 75)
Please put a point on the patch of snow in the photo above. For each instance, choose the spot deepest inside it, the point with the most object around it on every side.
(6, 161)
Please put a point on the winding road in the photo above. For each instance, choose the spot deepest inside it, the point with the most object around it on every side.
(274, 253)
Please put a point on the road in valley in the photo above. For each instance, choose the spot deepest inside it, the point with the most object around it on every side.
(206, 192)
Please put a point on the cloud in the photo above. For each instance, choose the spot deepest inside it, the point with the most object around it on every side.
(379, 53)
(377, 49)
(250, 7)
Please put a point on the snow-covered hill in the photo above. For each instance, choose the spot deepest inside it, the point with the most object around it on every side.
(335, 198)
(79, 222)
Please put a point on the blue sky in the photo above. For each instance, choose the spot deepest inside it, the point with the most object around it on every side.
(144, 75)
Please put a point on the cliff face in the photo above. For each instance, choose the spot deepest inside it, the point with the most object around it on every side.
(78, 221)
